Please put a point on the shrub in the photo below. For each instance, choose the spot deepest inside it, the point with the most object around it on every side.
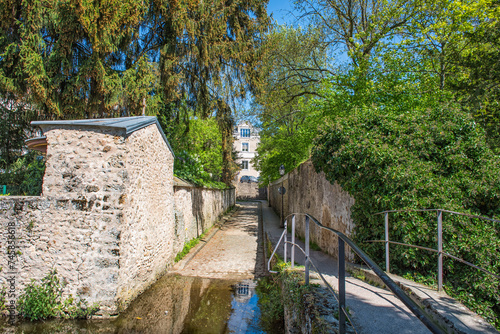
(25, 175)
(44, 300)
(191, 169)
(271, 304)
(3, 300)
(421, 159)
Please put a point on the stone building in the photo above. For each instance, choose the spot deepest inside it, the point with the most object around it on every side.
(110, 219)
(245, 144)
(246, 140)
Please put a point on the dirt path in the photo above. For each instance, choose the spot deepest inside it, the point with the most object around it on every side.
(234, 252)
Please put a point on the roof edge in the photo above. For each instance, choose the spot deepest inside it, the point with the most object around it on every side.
(129, 124)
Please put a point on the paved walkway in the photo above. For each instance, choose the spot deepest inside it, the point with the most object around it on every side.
(231, 252)
(235, 252)
(373, 310)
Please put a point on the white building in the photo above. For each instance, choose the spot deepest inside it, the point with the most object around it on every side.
(246, 140)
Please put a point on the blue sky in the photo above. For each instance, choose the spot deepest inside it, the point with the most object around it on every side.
(279, 9)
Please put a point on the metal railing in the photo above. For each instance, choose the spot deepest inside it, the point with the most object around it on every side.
(439, 249)
(343, 239)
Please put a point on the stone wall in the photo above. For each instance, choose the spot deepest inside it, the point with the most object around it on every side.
(310, 192)
(250, 191)
(146, 237)
(50, 233)
(197, 209)
(105, 216)
(108, 218)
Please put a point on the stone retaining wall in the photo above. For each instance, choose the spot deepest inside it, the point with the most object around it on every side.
(250, 191)
(197, 209)
(108, 218)
(310, 192)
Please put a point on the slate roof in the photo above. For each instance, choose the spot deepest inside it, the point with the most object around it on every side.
(129, 124)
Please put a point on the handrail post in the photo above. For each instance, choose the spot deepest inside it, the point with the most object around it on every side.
(285, 245)
(293, 241)
(341, 286)
(387, 261)
(440, 249)
(307, 250)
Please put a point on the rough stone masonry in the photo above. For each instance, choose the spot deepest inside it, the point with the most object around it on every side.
(105, 220)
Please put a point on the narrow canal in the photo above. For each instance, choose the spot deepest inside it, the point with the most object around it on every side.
(175, 304)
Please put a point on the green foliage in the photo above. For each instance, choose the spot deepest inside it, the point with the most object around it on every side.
(192, 169)
(270, 303)
(424, 158)
(197, 144)
(3, 300)
(286, 99)
(14, 129)
(187, 247)
(43, 301)
(476, 82)
(286, 138)
(25, 176)
(285, 145)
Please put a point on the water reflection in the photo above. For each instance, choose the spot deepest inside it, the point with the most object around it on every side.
(175, 304)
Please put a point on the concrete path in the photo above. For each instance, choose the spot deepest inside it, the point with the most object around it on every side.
(232, 251)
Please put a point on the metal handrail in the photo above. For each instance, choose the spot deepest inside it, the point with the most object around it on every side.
(342, 239)
(436, 251)
(447, 211)
(439, 250)
(308, 260)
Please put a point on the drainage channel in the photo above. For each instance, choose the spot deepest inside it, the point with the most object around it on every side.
(174, 304)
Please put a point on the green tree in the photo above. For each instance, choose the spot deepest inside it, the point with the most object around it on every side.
(75, 59)
(197, 144)
(479, 74)
(357, 27)
(61, 56)
(208, 57)
(291, 76)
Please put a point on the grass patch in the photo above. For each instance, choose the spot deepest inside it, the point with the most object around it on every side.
(188, 246)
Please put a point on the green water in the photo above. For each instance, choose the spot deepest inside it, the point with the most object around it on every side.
(175, 304)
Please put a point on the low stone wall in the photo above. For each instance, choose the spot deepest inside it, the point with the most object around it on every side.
(197, 209)
(50, 233)
(105, 218)
(250, 191)
(310, 192)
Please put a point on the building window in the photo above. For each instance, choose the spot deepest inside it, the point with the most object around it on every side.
(244, 147)
(244, 164)
(245, 133)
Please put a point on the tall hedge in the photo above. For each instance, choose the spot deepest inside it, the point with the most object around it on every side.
(437, 158)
